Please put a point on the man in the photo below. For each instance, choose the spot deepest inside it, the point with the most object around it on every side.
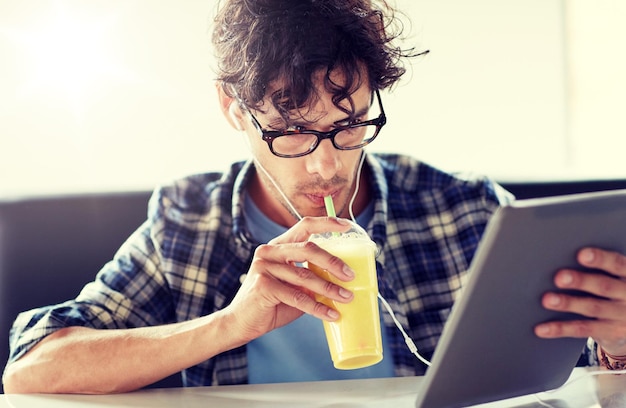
(212, 283)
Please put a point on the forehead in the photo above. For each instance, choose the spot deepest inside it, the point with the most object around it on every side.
(325, 98)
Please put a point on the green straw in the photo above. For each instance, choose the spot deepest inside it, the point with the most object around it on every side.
(330, 209)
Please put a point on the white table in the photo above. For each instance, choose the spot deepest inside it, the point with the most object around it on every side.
(582, 390)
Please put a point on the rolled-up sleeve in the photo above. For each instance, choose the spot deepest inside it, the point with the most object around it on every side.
(129, 291)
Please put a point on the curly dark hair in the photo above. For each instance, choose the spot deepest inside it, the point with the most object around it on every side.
(258, 42)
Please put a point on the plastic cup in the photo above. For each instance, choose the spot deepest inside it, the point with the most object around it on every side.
(354, 340)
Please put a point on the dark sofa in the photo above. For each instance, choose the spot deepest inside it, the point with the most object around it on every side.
(51, 247)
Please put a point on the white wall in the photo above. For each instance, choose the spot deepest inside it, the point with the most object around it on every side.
(118, 94)
(596, 32)
(490, 95)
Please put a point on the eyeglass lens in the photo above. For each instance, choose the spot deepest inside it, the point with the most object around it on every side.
(352, 137)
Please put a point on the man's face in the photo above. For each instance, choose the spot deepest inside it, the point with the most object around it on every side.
(306, 180)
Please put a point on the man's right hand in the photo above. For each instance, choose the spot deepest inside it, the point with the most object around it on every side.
(276, 290)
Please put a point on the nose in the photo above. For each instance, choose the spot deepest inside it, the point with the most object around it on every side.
(325, 160)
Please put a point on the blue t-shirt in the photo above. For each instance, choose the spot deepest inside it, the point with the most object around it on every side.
(299, 351)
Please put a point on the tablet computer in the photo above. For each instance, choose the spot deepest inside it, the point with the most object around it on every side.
(488, 350)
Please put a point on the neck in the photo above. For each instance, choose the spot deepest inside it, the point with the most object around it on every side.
(268, 203)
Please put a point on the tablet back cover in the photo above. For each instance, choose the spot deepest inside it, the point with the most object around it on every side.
(488, 350)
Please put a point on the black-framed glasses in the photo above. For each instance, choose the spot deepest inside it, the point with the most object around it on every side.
(297, 143)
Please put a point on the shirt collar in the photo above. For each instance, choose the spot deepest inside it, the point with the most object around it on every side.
(239, 191)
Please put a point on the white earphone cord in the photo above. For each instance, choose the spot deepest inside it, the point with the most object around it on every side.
(409, 342)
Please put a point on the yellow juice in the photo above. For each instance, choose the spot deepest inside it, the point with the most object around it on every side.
(354, 339)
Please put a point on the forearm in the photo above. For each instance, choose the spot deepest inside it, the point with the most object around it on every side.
(82, 360)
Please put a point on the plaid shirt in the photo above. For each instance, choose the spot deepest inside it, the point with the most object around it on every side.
(186, 260)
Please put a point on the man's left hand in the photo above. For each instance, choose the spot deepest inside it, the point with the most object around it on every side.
(606, 308)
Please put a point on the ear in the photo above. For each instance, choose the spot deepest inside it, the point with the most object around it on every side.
(230, 108)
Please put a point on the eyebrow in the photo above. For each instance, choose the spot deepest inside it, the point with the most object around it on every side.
(360, 112)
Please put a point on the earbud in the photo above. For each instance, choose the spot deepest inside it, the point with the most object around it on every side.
(233, 116)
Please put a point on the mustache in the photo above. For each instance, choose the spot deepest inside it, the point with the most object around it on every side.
(320, 184)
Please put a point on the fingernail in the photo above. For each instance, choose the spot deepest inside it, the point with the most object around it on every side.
(552, 300)
(587, 255)
(345, 293)
(342, 221)
(566, 278)
(348, 272)
(542, 330)
(333, 314)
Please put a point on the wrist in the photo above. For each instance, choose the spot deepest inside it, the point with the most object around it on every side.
(610, 361)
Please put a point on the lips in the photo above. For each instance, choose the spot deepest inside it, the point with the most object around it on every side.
(318, 198)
